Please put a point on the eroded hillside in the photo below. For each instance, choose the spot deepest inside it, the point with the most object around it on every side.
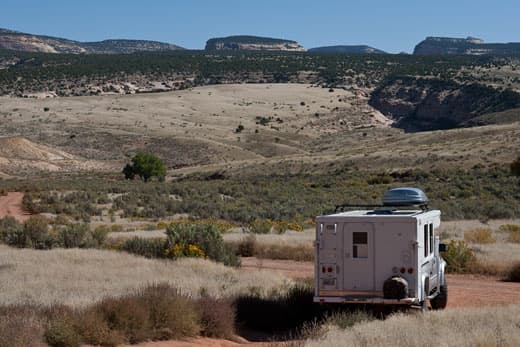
(418, 104)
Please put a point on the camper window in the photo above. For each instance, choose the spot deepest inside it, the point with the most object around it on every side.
(431, 238)
(359, 245)
(426, 240)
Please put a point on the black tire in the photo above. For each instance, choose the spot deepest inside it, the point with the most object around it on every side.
(441, 300)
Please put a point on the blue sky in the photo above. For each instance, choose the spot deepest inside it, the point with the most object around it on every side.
(393, 26)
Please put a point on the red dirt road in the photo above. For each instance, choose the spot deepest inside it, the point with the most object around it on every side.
(464, 290)
(11, 205)
(201, 342)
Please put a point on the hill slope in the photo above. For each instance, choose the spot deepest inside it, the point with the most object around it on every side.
(17, 41)
(19, 155)
(252, 43)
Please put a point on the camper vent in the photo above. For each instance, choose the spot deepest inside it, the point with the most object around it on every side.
(404, 197)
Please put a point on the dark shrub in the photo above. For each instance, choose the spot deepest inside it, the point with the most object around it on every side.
(260, 226)
(247, 246)
(149, 248)
(21, 326)
(217, 317)
(99, 236)
(36, 233)
(171, 315)
(278, 314)
(61, 332)
(128, 316)
(94, 330)
(11, 232)
(515, 167)
(514, 273)
(73, 235)
(157, 312)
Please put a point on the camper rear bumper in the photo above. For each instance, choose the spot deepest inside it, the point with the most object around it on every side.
(359, 298)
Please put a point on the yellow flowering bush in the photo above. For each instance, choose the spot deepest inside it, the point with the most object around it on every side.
(295, 226)
(184, 250)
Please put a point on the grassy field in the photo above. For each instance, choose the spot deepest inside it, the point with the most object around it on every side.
(78, 277)
(490, 327)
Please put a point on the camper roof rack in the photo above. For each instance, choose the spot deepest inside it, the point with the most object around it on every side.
(393, 198)
(380, 208)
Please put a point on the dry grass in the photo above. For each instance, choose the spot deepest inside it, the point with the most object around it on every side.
(480, 235)
(499, 255)
(490, 326)
(79, 277)
(249, 247)
(514, 237)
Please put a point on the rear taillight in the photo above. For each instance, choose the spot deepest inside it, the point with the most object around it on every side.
(323, 269)
(329, 269)
(403, 270)
(410, 270)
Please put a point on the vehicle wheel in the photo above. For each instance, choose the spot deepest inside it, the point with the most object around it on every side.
(441, 300)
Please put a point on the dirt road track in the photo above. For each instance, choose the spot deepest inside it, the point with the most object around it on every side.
(11, 205)
(464, 290)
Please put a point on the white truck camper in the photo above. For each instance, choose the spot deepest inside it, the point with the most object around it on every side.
(386, 255)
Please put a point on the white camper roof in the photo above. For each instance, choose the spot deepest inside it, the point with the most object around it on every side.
(386, 215)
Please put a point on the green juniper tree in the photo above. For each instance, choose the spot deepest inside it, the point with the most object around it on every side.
(145, 166)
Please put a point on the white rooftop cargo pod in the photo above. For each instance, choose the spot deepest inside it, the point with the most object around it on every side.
(381, 256)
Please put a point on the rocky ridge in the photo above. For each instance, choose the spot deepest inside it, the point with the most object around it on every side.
(17, 41)
(469, 45)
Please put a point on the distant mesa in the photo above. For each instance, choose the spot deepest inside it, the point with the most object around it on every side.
(17, 41)
(469, 45)
(252, 43)
(348, 49)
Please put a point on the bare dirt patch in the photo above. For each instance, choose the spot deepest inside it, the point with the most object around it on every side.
(11, 205)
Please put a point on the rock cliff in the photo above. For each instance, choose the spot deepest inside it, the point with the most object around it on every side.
(347, 49)
(252, 43)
